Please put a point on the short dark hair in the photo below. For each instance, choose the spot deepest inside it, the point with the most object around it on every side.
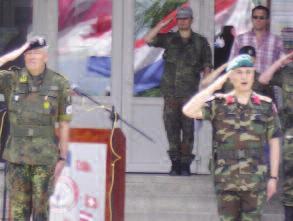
(248, 50)
(261, 7)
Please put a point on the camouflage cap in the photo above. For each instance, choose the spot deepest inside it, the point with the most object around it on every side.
(243, 60)
(184, 12)
(37, 42)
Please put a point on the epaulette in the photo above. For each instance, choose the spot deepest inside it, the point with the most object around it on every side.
(58, 74)
(260, 97)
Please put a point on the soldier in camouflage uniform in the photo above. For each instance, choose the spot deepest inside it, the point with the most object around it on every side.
(281, 74)
(242, 122)
(186, 55)
(36, 98)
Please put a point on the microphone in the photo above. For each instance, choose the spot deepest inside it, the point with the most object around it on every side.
(76, 89)
(113, 114)
(79, 92)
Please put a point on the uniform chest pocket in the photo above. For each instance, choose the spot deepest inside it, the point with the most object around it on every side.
(50, 101)
(17, 98)
(258, 123)
(170, 55)
(192, 57)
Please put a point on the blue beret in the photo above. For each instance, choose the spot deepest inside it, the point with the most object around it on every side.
(243, 60)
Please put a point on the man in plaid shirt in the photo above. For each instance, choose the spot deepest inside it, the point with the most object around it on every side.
(269, 47)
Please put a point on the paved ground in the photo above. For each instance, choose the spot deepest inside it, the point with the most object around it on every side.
(159, 197)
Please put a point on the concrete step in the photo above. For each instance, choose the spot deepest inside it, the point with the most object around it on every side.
(155, 197)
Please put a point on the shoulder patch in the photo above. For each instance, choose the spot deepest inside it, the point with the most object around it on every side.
(57, 74)
(257, 96)
(216, 96)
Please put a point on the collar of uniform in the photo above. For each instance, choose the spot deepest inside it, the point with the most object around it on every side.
(231, 99)
(190, 39)
(38, 79)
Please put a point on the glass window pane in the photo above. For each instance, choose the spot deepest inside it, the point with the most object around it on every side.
(15, 24)
(230, 21)
(84, 44)
(148, 62)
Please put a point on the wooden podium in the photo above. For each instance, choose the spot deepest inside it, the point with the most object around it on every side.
(113, 146)
(92, 185)
(115, 167)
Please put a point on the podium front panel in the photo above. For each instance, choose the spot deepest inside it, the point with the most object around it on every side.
(80, 193)
(92, 185)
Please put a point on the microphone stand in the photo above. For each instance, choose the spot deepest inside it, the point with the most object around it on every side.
(112, 113)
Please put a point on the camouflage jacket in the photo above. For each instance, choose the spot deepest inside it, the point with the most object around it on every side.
(183, 62)
(239, 134)
(284, 79)
(34, 105)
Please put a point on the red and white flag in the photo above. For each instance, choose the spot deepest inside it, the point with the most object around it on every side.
(91, 202)
(85, 216)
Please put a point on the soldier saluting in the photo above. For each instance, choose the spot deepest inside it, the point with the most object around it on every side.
(36, 98)
(281, 74)
(186, 55)
(243, 121)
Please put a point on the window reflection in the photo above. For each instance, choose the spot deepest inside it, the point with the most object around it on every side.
(148, 62)
(84, 44)
(15, 24)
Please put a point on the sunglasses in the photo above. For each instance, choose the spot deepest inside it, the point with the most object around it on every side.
(259, 17)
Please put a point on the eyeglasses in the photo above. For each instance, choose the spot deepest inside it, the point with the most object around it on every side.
(259, 17)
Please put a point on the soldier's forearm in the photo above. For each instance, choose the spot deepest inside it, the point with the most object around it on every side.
(10, 56)
(152, 33)
(193, 107)
(209, 78)
(64, 138)
(266, 76)
(274, 156)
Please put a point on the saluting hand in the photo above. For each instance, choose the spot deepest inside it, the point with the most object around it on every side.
(164, 23)
(218, 84)
(288, 58)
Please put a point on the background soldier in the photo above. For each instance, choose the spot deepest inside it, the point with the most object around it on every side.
(186, 55)
(281, 74)
(242, 122)
(36, 98)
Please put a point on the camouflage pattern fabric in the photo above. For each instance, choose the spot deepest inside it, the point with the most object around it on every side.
(284, 79)
(175, 121)
(34, 105)
(183, 62)
(29, 185)
(244, 205)
(239, 134)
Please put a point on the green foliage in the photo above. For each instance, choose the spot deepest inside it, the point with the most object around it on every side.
(153, 92)
(157, 11)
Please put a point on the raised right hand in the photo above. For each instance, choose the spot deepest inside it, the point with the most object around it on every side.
(218, 84)
(164, 23)
(288, 58)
